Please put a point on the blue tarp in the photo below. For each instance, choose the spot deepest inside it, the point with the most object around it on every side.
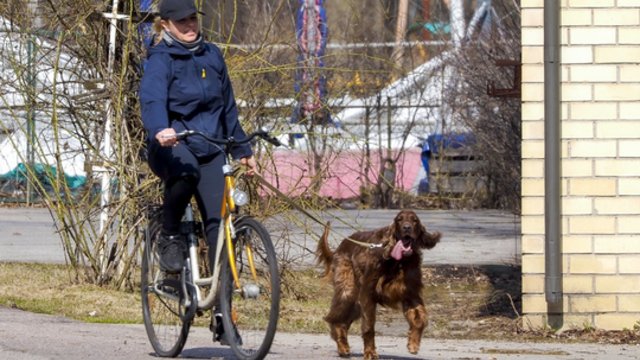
(438, 28)
(436, 142)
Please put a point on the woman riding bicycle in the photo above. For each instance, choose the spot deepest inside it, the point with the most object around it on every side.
(186, 86)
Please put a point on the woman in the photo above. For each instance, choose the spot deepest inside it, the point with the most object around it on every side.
(186, 86)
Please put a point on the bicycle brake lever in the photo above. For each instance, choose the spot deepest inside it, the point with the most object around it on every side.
(272, 140)
(264, 134)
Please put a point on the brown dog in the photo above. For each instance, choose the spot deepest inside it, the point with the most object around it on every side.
(389, 275)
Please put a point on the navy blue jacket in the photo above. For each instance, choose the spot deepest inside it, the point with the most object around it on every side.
(190, 90)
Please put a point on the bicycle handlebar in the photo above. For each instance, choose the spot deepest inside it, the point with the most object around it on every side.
(262, 133)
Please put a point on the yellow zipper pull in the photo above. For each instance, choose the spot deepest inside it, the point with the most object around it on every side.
(204, 74)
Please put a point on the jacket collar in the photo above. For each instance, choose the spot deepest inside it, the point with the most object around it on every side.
(193, 47)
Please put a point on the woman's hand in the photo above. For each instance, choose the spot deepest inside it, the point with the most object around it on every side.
(167, 137)
(250, 163)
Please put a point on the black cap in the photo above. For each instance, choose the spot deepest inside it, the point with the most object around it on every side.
(177, 9)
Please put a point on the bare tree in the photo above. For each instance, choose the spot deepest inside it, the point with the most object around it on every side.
(62, 92)
(486, 99)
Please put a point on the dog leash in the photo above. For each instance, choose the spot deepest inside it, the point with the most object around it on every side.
(311, 216)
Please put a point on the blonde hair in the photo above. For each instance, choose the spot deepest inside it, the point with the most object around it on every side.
(158, 30)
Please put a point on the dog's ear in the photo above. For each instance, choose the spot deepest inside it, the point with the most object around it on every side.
(428, 240)
(389, 239)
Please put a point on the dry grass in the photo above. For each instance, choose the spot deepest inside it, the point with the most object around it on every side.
(50, 289)
(463, 302)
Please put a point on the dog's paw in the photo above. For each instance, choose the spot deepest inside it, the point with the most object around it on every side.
(413, 348)
(370, 355)
(344, 351)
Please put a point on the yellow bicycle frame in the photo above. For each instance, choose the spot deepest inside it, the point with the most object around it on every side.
(228, 208)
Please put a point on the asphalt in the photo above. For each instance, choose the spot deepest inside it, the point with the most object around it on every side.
(28, 336)
(478, 237)
(483, 237)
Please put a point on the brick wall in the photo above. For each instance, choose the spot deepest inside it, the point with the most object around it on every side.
(600, 104)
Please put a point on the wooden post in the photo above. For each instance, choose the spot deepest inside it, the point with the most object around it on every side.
(389, 115)
(367, 148)
(401, 28)
(426, 16)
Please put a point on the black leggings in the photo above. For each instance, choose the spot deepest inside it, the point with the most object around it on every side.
(185, 175)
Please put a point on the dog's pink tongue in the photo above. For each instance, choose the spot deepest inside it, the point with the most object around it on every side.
(399, 250)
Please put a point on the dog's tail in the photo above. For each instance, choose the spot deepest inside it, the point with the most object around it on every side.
(323, 252)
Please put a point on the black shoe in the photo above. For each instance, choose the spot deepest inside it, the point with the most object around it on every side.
(171, 249)
(216, 327)
(218, 331)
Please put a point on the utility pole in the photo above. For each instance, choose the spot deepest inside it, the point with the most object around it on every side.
(31, 100)
(401, 28)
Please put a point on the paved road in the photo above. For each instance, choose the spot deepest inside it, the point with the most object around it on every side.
(469, 237)
(28, 235)
(27, 336)
(478, 237)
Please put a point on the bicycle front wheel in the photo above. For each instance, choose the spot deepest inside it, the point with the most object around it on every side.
(250, 309)
(162, 303)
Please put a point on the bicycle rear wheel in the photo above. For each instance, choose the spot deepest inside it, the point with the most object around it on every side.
(250, 313)
(162, 303)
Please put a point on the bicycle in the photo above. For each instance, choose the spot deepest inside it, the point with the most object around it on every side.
(245, 280)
